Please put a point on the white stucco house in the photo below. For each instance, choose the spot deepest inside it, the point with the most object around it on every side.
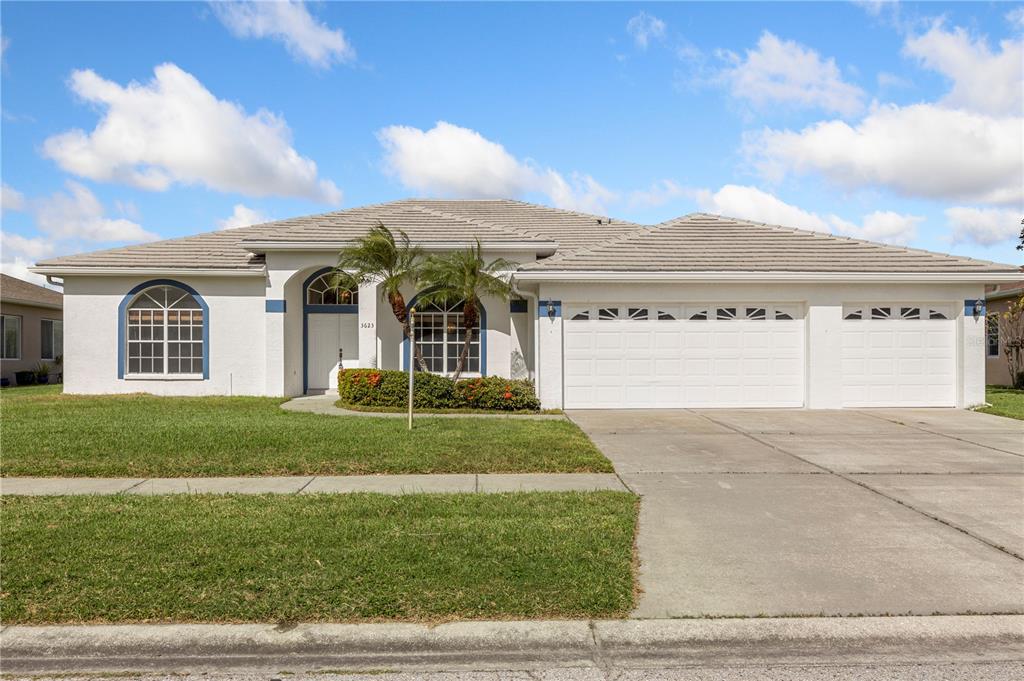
(700, 311)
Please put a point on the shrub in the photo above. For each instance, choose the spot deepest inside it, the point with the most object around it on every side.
(388, 388)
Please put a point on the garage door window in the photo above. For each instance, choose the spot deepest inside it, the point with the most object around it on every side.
(894, 312)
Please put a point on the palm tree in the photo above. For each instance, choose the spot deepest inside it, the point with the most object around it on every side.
(379, 257)
(463, 276)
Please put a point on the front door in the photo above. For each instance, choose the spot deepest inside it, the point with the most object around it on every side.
(327, 334)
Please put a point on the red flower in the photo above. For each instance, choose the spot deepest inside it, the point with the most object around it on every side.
(508, 395)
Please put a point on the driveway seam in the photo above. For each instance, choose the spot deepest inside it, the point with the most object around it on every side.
(935, 432)
(842, 476)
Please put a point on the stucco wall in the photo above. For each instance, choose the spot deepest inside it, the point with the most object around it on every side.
(823, 303)
(237, 342)
(31, 318)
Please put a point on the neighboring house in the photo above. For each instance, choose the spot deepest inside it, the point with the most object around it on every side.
(998, 299)
(31, 327)
(700, 311)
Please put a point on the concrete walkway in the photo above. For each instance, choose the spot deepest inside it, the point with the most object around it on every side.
(595, 645)
(330, 484)
(324, 404)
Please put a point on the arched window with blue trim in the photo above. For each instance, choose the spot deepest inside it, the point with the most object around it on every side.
(324, 290)
(166, 329)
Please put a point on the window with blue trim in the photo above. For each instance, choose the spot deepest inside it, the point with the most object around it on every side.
(440, 336)
(164, 333)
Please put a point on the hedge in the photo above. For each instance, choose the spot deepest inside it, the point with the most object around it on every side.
(389, 388)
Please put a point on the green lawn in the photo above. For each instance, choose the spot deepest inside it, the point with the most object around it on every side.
(1005, 402)
(349, 557)
(49, 434)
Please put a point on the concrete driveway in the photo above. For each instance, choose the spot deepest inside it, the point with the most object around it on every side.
(800, 512)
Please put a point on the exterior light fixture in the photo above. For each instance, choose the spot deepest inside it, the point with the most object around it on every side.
(551, 310)
(979, 308)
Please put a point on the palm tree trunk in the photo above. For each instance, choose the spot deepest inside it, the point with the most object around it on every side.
(469, 320)
(398, 309)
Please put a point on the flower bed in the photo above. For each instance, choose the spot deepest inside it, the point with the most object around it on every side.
(389, 389)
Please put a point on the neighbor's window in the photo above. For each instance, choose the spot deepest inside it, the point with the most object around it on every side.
(440, 337)
(51, 338)
(165, 333)
(993, 337)
(10, 329)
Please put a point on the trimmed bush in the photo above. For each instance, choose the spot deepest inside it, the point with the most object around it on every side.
(388, 388)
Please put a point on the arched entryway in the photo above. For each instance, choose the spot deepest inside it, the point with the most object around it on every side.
(330, 330)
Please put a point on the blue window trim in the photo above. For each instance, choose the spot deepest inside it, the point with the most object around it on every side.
(483, 338)
(307, 310)
(122, 312)
(515, 306)
(276, 305)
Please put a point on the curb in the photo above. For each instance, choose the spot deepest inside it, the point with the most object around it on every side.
(172, 648)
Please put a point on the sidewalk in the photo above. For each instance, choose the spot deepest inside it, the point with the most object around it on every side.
(605, 645)
(305, 484)
(324, 404)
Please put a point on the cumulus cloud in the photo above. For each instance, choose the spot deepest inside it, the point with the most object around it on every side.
(751, 203)
(78, 214)
(659, 193)
(242, 216)
(452, 161)
(920, 150)
(1016, 17)
(11, 198)
(643, 28)
(289, 23)
(173, 130)
(785, 72)
(965, 147)
(983, 81)
(983, 226)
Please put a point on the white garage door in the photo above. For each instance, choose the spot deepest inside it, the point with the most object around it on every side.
(899, 355)
(646, 355)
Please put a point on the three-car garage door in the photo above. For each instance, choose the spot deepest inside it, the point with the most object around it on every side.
(657, 355)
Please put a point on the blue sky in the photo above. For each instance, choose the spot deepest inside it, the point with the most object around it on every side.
(124, 122)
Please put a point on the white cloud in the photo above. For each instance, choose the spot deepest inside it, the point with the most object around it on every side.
(783, 71)
(33, 248)
(289, 23)
(1016, 17)
(242, 216)
(77, 214)
(643, 27)
(173, 130)
(891, 81)
(17, 267)
(983, 226)
(983, 81)
(449, 160)
(751, 203)
(11, 199)
(659, 193)
(921, 150)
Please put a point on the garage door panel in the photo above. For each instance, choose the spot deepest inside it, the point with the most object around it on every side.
(703, 361)
(898, 360)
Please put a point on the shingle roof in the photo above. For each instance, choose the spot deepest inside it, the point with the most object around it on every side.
(713, 243)
(14, 290)
(694, 243)
(424, 220)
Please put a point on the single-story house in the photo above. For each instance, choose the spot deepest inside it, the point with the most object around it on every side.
(998, 298)
(699, 311)
(31, 327)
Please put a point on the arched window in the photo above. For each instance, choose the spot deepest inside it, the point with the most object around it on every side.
(321, 292)
(165, 333)
(440, 337)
